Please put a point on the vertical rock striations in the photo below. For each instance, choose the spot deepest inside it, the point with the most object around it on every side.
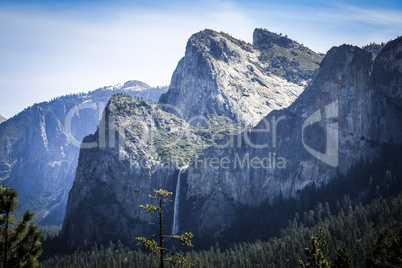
(220, 76)
(348, 110)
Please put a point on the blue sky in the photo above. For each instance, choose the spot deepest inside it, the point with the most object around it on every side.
(52, 48)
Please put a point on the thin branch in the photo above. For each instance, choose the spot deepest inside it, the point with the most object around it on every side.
(154, 235)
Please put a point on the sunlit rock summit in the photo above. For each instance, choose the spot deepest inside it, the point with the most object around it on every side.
(223, 76)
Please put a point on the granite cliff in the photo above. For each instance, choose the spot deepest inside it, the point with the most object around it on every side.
(221, 79)
(138, 148)
(350, 107)
(221, 76)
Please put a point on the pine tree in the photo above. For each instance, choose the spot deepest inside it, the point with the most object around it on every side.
(19, 242)
(158, 248)
(343, 258)
(387, 250)
(317, 256)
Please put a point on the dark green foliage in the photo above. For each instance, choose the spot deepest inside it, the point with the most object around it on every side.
(50, 231)
(19, 242)
(357, 230)
(317, 256)
(387, 250)
(343, 258)
(117, 256)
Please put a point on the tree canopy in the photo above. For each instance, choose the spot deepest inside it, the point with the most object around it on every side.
(19, 241)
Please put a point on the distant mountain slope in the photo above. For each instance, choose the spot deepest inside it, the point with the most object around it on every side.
(221, 76)
(2, 119)
(40, 154)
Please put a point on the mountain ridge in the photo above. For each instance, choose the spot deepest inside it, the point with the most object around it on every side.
(227, 78)
(285, 57)
(41, 149)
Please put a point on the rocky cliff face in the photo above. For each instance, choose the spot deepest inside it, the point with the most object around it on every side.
(133, 156)
(352, 105)
(2, 119)
(374, 48)
(220, 76)
(40, 146)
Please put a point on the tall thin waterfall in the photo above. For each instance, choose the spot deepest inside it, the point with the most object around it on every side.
(175, 227)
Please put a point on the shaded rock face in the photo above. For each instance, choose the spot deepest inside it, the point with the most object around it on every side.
(286, 58)
(114, 179)
(222, 76)
(264, 40)
(352, 105)
(39, 152)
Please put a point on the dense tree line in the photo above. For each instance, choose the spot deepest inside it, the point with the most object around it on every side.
(357, 227)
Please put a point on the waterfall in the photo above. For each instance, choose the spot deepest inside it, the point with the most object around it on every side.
(175, 227)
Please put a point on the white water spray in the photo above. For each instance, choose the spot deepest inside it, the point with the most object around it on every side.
(175, 227)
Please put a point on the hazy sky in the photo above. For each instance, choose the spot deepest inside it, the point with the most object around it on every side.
(52, 48)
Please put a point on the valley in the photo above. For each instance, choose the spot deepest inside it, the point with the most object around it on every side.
(260, 145)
